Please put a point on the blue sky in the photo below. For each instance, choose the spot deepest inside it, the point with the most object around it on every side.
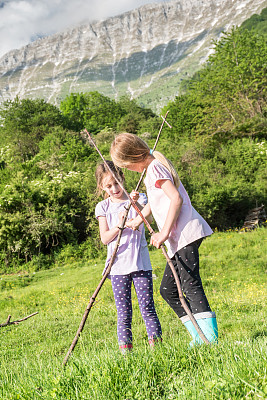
(22, 21)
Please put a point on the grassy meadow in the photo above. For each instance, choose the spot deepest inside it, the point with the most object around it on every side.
(233, 270)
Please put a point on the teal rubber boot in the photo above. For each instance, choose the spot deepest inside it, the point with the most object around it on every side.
(207, 323)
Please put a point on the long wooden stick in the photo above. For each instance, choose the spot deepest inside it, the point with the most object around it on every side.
(18, 320)
(92, 300)
(177, 281)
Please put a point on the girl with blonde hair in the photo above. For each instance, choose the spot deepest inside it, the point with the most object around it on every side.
(181, 228)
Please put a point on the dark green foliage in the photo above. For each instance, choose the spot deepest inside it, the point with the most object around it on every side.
(223, 180)
(226, 180)
(135, 117)
(257, 23)
(92, 111)
(185, 114)
(96, 112)
(49, 201)
(25, 123)
(65, 150)
(228, 96)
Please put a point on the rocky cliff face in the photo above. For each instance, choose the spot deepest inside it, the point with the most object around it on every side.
(144, 53)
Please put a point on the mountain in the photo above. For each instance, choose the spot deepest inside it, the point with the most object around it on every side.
(145, 53)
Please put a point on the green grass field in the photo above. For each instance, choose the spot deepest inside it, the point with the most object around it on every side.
(233, 270)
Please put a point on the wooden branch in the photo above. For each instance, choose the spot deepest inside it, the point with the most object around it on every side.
(255, 217)
(16, 322)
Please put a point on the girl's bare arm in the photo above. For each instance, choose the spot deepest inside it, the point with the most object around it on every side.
(106, 234)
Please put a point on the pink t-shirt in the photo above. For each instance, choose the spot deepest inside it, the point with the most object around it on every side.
(189, 225)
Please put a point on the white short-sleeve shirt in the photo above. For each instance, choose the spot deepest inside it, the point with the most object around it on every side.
(132, 254)
(189, 225)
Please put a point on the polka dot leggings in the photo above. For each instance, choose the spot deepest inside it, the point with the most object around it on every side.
(143, 284)
(186, 264)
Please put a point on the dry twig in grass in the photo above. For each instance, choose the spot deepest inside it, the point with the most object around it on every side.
(16, 322)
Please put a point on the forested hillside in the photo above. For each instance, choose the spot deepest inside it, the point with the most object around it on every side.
(257, 23)
(217, 143)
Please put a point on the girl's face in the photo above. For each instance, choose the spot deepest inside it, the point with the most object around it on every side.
(111, 187)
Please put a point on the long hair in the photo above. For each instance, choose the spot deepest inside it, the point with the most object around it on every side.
(102, 171)
(128, 148)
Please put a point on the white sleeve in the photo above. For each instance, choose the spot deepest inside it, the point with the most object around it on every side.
(100, 209)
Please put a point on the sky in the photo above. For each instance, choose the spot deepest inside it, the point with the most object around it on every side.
(22, 21)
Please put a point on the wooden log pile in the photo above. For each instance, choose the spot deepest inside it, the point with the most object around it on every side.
(256, 217)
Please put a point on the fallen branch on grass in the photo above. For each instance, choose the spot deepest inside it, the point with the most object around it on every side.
(16, 322)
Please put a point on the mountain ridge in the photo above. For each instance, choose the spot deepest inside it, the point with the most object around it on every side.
(144, 53)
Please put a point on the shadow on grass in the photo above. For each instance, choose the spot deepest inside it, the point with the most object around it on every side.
(259, 334)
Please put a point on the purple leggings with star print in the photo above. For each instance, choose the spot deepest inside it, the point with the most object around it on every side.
(143, 284)
(186, 264)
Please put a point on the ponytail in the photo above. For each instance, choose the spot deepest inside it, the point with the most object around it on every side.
(168, 164)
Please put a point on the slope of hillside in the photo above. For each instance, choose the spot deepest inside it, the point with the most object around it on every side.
(144, 53)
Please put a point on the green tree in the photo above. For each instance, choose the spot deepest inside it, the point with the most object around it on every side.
(135, 116)
(228, 96)
(91, 110)
(185, 115)
(234, 84)
(65, 151)
(25, 122)
(257, 23)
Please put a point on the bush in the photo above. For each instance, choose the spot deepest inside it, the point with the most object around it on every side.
(224, 181)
